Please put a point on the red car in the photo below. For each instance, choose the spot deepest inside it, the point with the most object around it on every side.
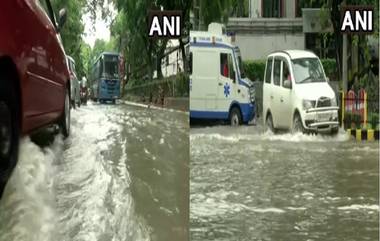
(34, 77)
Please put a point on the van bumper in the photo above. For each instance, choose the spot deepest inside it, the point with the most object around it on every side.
(248, 111)
(321, 119)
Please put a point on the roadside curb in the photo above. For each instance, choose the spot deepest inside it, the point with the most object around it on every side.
(153, 107)
(364, 135)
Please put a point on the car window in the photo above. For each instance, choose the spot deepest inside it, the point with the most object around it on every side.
(45, 7)
(277, 72)
(285, 72)
(268, 72)
(42, 4)
(307, 70)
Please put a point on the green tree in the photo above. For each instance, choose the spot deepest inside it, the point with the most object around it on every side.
(71, 33)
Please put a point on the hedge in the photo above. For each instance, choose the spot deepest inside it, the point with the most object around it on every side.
(254, 69)
(173, 86)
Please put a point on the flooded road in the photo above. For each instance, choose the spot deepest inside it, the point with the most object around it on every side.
(121, 175)
(250, 185)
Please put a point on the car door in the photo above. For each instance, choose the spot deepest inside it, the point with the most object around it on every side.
(267, 88)
(42, 88)
(227, 81)
(285, 95)
(276, 93)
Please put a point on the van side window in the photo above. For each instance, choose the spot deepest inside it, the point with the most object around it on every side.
(285, 72)
(277, 72)
(268, 71)
(224, 65)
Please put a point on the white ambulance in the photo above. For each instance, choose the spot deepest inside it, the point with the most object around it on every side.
(219, 89)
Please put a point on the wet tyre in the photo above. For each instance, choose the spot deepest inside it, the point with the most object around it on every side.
(297, 124)
(9, 132)
(269, 123)
(334, 131)
(64, 121)
(235, 117)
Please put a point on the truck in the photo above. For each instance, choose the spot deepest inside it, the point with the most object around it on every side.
(219, 89)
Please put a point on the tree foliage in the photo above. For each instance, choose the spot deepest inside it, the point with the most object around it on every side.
(129, 31)
(71, 33)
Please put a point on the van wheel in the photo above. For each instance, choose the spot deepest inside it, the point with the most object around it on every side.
(64, 122)
(334, 131)
(297, 124)
(269, 124)
(9, 134)
(235, 117)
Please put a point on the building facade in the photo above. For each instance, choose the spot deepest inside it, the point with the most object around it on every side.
(271, 25)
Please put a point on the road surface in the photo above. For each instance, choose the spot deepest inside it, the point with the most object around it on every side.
(250, 185)
(121, 175)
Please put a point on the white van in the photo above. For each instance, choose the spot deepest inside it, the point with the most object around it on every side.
(218, 87)
(297, 95)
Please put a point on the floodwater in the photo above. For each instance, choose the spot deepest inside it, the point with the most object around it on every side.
(249, 185)
(121, 175)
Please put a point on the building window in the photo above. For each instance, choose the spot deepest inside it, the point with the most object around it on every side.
(272, 8)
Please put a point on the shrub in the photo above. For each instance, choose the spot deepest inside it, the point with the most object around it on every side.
(254, 69)
(352, 121)
(374, 120)
(329, 65)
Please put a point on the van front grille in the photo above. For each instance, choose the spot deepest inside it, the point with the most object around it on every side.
(324, 102)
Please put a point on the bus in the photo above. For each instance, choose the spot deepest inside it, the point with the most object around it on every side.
(105, 78)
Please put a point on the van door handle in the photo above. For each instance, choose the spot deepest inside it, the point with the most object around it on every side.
(271, 97)
(220, 84)
(282, 99)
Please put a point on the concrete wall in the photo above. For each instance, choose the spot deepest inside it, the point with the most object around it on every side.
(258, 37)
(258, 46)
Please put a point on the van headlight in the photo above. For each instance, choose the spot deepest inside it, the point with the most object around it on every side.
(333, 102)
(308, 104)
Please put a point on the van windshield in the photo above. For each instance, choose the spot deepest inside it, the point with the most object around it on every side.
(239, 62)
(111, 67)
(308, 70)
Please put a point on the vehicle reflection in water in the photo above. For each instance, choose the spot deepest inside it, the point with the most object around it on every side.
(250, 185)
(121, 175)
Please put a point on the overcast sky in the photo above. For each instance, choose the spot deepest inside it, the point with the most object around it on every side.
(101, 30)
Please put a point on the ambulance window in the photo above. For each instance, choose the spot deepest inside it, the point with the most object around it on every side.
(268, 72)
(224, 65)
(277, 71)
(231, 71)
